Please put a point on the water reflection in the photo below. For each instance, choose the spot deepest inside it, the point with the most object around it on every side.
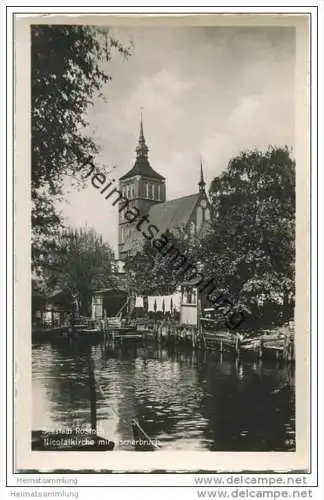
(186, 400)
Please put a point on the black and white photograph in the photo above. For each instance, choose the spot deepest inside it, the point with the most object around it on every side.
(163, 237)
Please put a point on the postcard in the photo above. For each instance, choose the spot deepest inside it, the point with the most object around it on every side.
(161, 243)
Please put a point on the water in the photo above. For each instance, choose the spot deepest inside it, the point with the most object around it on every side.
(185, 400)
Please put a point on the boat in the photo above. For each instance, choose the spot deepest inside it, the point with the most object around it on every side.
(142, 442)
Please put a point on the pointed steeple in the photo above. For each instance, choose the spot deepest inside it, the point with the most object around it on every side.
(142, 165)
(141, 149)
(202, 182)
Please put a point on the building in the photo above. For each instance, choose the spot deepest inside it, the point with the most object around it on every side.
(145, 190)
(109, 302)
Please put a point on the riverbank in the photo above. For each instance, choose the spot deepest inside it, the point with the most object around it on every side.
(277, 343)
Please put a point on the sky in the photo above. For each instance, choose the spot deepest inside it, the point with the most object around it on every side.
(207, 92)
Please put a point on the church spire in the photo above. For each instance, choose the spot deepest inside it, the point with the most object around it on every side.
(142, 165)
(141, 149)
(202, 182)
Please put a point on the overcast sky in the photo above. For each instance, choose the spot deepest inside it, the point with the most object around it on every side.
(204, 91)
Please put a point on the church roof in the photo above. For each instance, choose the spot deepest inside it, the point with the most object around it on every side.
(142, 167)
(171, 215)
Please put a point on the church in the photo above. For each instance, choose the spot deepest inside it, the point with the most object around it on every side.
(145, 190)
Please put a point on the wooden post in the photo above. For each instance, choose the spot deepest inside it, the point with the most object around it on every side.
(199, 325)
(290, 350)
(260, 349)
(204, 341)
(93, 399)
(285, 348)
(291, 347)
(221, 345)
(237, 346)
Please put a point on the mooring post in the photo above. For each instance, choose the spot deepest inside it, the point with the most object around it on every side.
(285, 348)
(93, 399)
(237, 346)
(260, 353)
(292, 350)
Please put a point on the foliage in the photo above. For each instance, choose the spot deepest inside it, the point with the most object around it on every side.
(251, 246)
(80, 262)
(158, 272)
(68, 72)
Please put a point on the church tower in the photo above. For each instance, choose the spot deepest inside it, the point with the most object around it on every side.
(142, 186)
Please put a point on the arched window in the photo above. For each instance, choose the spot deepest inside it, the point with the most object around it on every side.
(199, 216)
(131, 192)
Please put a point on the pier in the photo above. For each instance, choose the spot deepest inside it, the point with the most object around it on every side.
(277, 344)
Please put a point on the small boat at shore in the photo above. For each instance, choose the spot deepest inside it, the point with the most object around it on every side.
(142, 442)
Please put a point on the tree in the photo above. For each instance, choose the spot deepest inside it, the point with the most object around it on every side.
(159, 271)
(251, 246)
(81, 262)
(68, 71)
